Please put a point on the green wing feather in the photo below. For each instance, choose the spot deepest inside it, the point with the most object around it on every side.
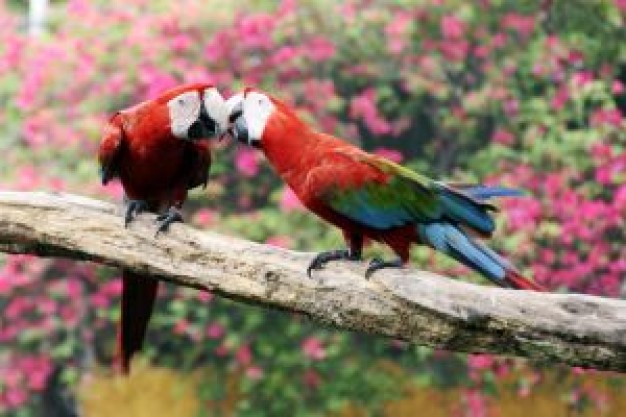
(406, 197)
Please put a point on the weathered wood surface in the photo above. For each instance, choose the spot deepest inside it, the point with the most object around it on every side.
(416, 306)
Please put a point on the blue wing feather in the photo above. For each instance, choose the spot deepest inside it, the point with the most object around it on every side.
(485, 192)
(452, 241)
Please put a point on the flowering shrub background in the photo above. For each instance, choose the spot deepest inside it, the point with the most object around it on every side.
(526, 93)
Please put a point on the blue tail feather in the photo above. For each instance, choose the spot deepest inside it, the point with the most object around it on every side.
(485, 192)
(452, 241)
(466, 211)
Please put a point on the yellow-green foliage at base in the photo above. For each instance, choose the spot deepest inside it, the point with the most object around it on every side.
(146, 392)
(552, 394)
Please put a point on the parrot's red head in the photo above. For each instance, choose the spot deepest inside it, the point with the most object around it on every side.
(252, 115)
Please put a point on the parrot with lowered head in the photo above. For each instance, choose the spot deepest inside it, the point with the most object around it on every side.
(368, 196)
(155, 149)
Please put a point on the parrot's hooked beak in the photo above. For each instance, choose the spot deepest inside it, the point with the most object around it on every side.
(203, 127)
(238, 126)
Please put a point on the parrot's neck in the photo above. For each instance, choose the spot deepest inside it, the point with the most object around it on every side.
(292, 147)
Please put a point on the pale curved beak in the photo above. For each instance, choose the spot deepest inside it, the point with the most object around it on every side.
(234, 108)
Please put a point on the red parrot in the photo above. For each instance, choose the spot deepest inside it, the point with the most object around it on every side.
(368, 196)
(154, 149)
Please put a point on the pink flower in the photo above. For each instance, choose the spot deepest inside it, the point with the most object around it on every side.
(391, 154)
(481, 51)
(246, 161)
(289, 201)
(455, 50)
(524, 25)
(204, 296)
(113, 288)
(243, 355)
(480, 362)
(576, 58)
(621, 4)
(255, 30)
(396, 31)
(611, 117)
(511, 107)
(560, 98)
(582, 78)
(617, 87)
(320, 49)
(452, 27)
(114, 189)
(279, 241)
(69, 315)
(181, 326)
(284, 54)
(205, 217)
(99, 300)
(28, 178)
(46, 306)
(15, 397)
(254, 373)
(503, 137)
(37, 380)
(313, 349)
(476, 404)
(17, 307)
(215, 331)
(363, 106)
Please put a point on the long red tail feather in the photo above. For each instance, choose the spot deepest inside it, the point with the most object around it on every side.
(138, 295)
(521, 283)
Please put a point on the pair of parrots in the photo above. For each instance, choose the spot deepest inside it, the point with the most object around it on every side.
(159, 151)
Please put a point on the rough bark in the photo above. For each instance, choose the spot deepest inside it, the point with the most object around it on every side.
(416, 306)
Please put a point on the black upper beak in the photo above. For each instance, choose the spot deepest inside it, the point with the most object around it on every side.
(204, 127)
(238, 127)
(235, 113)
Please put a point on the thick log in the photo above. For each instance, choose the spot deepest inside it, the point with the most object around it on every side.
(416, 306)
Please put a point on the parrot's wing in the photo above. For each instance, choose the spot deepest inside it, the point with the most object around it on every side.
(110, 148)
(381, 194)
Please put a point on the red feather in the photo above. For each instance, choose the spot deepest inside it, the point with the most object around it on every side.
(156, 167)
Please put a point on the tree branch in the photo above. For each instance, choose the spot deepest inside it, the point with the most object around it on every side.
(415, 306)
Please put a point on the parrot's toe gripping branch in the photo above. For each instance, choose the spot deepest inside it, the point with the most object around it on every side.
(323, 258)
(377, 264)
(172, 215)
(133, 209)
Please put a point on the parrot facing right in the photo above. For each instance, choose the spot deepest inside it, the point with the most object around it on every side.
(156, 151)
(368, 196)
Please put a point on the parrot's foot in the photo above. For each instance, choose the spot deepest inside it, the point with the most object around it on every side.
(377, 263)
(133, 209)
(323, 258)
(166, 219)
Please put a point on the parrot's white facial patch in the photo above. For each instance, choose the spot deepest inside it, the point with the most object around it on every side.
(184, 111)
(257, 109)
(233, 101)
(215, 106)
